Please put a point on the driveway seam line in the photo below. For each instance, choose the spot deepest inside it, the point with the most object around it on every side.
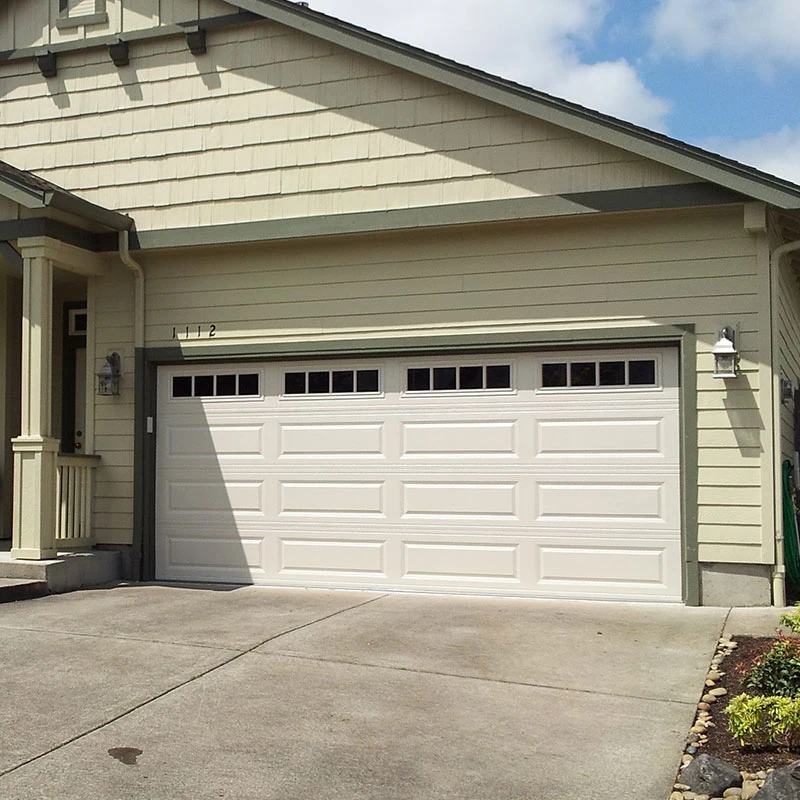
(122, 638)
(235, 657)
(505, 681)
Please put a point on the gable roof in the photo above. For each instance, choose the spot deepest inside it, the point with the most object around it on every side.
(657, 147)
(32, 192)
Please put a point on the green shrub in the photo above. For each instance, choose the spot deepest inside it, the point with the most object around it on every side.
(791, 619)
(777, 672)
(760, 721)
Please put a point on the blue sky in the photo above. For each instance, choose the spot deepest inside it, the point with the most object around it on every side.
(723, 74)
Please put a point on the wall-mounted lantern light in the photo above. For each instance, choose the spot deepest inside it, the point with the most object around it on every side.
(726, 357)
(787, 390)
(108, 377)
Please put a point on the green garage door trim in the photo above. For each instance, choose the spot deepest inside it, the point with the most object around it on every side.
(149, 359)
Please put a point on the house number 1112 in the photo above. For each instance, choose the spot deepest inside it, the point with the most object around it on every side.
(203, 331)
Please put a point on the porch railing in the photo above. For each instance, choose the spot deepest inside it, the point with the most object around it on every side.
(74, 500)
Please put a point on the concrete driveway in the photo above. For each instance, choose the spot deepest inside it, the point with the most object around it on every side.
(262, 693)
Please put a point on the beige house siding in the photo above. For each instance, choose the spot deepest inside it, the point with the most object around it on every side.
(680, 268)
(274, 124)
(788, 310)
(31, 23)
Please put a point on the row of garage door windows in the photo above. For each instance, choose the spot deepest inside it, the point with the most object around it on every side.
(554, 375)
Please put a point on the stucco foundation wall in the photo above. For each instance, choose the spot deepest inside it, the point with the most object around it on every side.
(671, 268)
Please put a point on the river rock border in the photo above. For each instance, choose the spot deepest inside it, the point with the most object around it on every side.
(698, 733)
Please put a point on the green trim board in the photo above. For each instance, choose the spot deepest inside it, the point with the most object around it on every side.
(613, 200)
(691, 195)
(150, 359)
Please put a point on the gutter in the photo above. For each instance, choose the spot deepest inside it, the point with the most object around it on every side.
(139, 298)
(779, 572)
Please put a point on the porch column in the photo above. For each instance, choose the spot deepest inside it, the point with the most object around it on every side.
(34, 451)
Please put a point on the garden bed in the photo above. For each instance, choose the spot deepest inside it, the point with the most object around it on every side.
(720, 742)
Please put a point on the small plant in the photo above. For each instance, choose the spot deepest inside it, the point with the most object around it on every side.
(777, 672)
(791, 619)
(762, 721)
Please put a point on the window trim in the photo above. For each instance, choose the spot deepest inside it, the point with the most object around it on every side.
(512, 389)
(216, 397)
(307, 396)
(579, 358)
(65, 20)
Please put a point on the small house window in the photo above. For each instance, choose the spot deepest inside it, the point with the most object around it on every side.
(469, 377)
(72, 13)
(245, 385)
(593, 374)
(327, 382)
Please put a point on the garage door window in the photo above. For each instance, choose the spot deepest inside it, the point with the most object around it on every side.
(243, 385)
(327, 382)
(459, 378)
(617, 373)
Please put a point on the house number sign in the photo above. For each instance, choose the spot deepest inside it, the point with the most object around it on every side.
(194, 331)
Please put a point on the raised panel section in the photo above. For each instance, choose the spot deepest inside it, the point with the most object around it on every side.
(216, 497)
(463, 500)
(593, 564)
(453, 561)
(215, 553)
(601, 502)
(459, 439)
(333, 556)
(332, 497)
(598, 439)
(332, 441)
(200, 441)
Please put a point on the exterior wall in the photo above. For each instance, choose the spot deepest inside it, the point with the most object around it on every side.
(10, 400)
(678, 268)
(30, 23)
(788, 310)
(273, 124)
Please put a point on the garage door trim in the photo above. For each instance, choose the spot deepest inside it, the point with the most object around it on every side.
(148, 361)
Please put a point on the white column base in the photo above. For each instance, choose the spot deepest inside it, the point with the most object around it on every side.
(34, 497)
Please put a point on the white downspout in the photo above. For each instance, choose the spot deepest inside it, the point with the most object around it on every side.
(779, 573)
(138, 307)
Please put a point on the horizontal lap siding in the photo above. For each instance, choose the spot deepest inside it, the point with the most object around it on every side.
(283, 126)
(788, 309)
(672, 268)
(114, 416)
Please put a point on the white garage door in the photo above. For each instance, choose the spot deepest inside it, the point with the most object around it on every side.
(551, 474)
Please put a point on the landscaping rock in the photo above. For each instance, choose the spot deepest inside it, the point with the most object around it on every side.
(711, 776)
(782, 784)
(749, 790)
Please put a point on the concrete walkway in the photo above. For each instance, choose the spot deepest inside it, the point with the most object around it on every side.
(169, 692)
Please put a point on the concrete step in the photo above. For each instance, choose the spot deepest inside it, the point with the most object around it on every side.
(13, 589)
(67, 572)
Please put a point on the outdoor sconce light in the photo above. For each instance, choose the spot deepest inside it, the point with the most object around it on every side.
(787, 390)
(108, 377)
(726, 357)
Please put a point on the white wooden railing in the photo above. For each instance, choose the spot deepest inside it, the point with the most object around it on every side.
(74, 500)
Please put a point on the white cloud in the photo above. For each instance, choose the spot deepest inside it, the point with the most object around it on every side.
(763, 33)
(533, 43)
(777, 153)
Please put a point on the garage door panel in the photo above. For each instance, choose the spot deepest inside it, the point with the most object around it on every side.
(620, 501)
(628, 438)
(215, 442)
(482, 561)
(337, 441)
(566, 493)
(481, 500)
(356, 498)
(616, 567)
(332, 557)
(477, 439)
